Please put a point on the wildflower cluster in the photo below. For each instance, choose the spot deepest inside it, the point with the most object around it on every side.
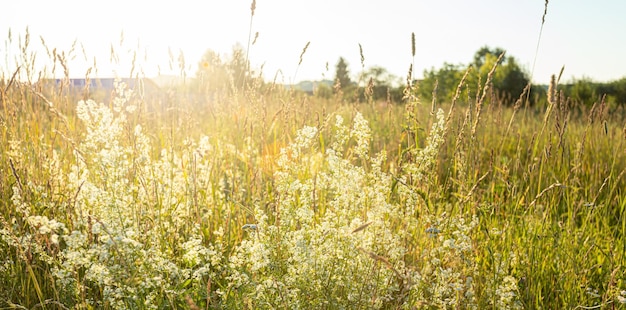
(425, 158)
(332, 233)
(190, 197)
(334, 239)
(449, 266)
(129, 243)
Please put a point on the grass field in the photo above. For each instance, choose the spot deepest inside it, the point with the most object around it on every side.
(265, 198)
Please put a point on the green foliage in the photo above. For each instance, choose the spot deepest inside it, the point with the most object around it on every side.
(481, 57)
(583, 91)
(508, 82)
(618, 90)
(445, 79)
(323, 91)
(281, 204)
(284, 201)
(380, 85)
(342, 75)
(586, 92)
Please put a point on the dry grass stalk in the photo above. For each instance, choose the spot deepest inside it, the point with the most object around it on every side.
(383, 260)
(304, 51)
(545, 190)
(256, 36)
(362, 57)
(409, 77)
(50, 107)
(457, 94)
(516, 107)
(434, 101)
(487, 87)
(360, 228)
(413, 44)
(252, 9)
(192, 305)
(369, 90)
(543, 21)
(473, 189)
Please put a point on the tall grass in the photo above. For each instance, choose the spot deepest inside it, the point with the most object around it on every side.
(266, 198)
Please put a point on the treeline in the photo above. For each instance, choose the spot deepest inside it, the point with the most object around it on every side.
(376, 84)
(587, 92)
(508, 81)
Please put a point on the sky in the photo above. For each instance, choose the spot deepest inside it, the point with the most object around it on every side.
(585, 37)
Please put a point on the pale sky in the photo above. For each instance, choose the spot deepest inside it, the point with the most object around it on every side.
(587, 37)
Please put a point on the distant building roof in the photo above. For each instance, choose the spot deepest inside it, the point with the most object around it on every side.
(106, 83)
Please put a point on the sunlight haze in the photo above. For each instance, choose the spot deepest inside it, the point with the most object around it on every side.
(583, 36)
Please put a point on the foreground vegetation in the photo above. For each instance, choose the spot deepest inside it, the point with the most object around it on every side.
(238, 194)
(265, 198)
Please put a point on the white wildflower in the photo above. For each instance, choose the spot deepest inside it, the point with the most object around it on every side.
(362, 133)
(341, 134)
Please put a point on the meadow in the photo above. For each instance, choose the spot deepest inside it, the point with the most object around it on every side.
(262, 197)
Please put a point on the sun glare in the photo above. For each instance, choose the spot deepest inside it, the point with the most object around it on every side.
(120, 37)
(153, 36)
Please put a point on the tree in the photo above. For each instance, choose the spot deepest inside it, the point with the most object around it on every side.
(216, 74)
(239, 67)
(619, 91)
(583, 91)
(381, 83)
(212, 73)
(508, 81)
(586, 92)
(342, 74)
(446, 78)
(480, 56)
(511, 80)
(323, 90)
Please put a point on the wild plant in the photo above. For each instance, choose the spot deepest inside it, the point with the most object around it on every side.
(262, 197)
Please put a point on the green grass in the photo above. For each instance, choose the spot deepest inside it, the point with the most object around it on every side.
(356, 205)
